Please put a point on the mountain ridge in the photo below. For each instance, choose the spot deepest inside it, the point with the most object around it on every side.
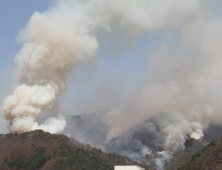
(41, 150)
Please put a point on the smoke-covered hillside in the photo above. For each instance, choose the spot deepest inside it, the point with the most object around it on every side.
(148, 141)
(88, 128)
(191, 147)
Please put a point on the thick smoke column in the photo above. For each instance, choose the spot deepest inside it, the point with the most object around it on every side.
(53, 42)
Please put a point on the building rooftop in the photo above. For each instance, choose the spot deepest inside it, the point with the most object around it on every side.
(127, 167)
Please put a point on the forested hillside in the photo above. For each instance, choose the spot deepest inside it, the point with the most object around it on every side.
(208, 158)
(40, 150)
(191, 146)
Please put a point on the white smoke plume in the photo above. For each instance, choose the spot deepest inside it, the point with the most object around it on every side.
(53, 42)
(178, 131)
(176, 135)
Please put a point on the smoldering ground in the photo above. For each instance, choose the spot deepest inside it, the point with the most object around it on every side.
(184, 76)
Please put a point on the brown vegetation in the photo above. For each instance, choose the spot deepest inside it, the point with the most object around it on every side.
(208, 158)
(45, 151)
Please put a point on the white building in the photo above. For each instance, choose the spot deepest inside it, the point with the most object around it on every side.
(127, 167)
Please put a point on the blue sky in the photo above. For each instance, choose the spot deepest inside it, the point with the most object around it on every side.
(13, 16)
(125, 64)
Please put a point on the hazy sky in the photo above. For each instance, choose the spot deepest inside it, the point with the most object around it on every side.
(129, 69)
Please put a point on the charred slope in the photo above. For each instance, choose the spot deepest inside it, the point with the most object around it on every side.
(40, 150)
(208, 158)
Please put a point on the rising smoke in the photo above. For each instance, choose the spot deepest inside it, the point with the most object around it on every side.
(53, 42)
(156, 138)
(184, 80)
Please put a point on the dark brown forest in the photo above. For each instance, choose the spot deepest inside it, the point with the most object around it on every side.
(41, 150)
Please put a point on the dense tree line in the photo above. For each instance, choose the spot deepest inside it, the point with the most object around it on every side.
(40, 150)
(208, 158)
